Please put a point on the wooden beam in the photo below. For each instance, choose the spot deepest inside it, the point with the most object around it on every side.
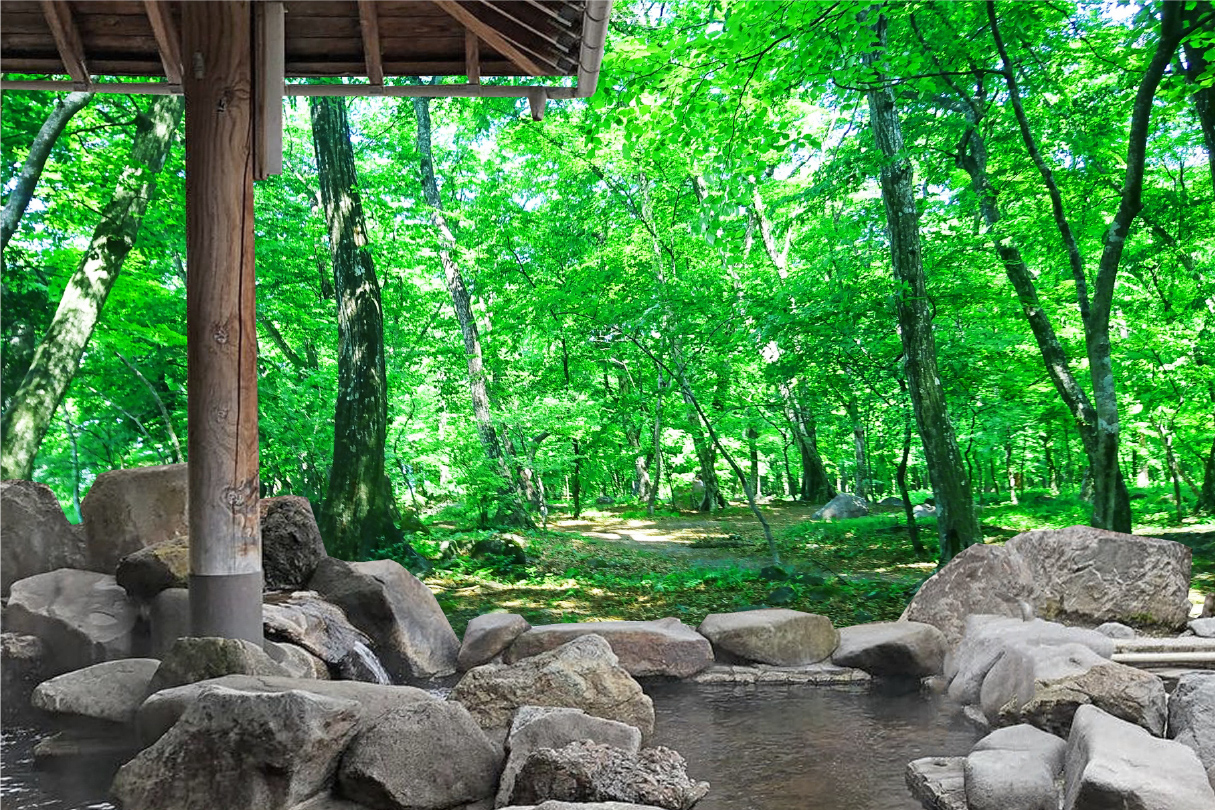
(67, 39)
(372, 53)
(472, 57)
(221, 328)
(269, 69)
(168, 40)
(491, 36)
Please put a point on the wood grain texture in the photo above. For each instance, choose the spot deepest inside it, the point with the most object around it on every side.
(168, 40)
(371, 42)
(67, 39)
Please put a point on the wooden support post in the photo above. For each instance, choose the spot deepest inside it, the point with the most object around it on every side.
(472, 57)
(492, 37)
(168, 40)
(67, 41)
(225, 532)
(372, 57)
(269, 68)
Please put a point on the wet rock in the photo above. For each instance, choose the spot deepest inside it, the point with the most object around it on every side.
(22, 667)
(980, 580)
(583, 673)
(410, 634)
(1192, 716)
(842, 507)
(296, 661)
(190, 660)
(241, 751)
(939, 783)
(585, 771)
(427, 755)
(82, 617)
(487, 636)
(168, 619)
(662, 647)
(126, 510)
(37, 535)
(772, 636)
(291, 542)
(892, 649)
(305, 619)
(148, 571)
(1116, 630)
(537, 727)
(111, 691)
(1113, 763)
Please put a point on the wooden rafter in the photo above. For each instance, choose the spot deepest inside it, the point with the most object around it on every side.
(67, 39)
(472, 57)
(372, 53)
(168, 39)
(491, 36)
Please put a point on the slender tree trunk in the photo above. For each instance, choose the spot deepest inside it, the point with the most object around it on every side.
(711, 498)
(31, 170)
(1198, 15)
(815, 485)
(1207, 502)
(652, 495)
(913, 528)
(753, 446)
(58, 355)
(1009, 476)
(71, 429)
(958, 526)
(858, 442)
(178, 457)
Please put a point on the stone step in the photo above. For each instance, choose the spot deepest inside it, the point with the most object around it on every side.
(1171, 645)
(1201, 660)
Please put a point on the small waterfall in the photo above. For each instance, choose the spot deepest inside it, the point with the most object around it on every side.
(304, 618)
(361, 664)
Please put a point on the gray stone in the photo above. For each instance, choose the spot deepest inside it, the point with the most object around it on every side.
(537, 727)
(1010, 780)
(1112, 763)
(148, 571)
(291, 542)
(111, 691)
(37, 535)
(22, 667)
(1116, 630)
(823, 673)
(662, 647)
(939, 783)
(296, 661)
(126, 510)
(923, 510)
(772, 636)
(583, 674)
(168, 619)
(190, 660)
(411, 636)
(241, 751)
(305, 619)
(487, 636)
(82, 617)
(1192, 716)
(842, 507)
(555, 805)
(892, 649)
(427, 755)
(1024, 737)
(585, 771)
(1203, 628)
(328, 801)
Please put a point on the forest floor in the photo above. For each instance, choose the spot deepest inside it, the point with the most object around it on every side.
(616, 562)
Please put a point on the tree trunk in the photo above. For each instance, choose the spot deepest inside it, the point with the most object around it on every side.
(814, 486)
(913, 528)
(1009, 476)
(957, 524)
(652, 495)
(858, 442)
(1207, 502)
(31, 170)
(1196, 17)
(58, 355)
(708, 499)
(358, 515)
(753, 446)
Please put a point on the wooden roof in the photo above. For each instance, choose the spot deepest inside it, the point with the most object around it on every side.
(371, 38)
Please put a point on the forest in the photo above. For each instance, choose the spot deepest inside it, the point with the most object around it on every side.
(953, 256)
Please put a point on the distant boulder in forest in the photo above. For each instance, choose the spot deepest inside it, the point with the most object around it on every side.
(843, 506)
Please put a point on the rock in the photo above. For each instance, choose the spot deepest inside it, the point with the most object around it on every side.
(499, 551)
(168, 619)
(411, 636)
(923, 510)
(1089, 576)
(240, 751)
(82, 617)
(427, 755)
(585, 771)
(487, 636)
(150, 570)
(190, 660)
(662, 647)
(327, 801)
(305, 619)
(1112, 763)
(1116, 630)
(604, 500)
(583, 674)
(939, 783)
(537, 727)
(1024, 737)
(1203, 628)
(291, 542)
(1009, 780)
(296, 661)
(111, 691)
(1208, 606)
(891, 503)
(37, 535)
(126, 510)
(841, 507)
(980, 580)
(555, 805)
(892, 649)
(772, 636)
(1192, 716)
(22, 667)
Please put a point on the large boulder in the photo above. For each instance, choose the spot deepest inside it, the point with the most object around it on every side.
(487, 636)
(190, 660)
(152, 569)
(1009, 780)
(428, 755)
(291, 542)
(586, 771)
(1113, 763)
(37, 535)
(126, 510)
(241, 751)
(980, 580)
(892, 649)
(168, 619)
(22, 667)
(296, 661)
(82, 617)
(775, 636)
(843, 506)
(1192, 716)
(1028, 739)
(583, 673)
(556, 805)
(412, 637)
(662, 647)
(305, 619)
(111, 691)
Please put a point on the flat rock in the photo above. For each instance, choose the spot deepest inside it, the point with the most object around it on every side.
(1192, 716)
(1203, 628)
(150, 570)
(291, 542)
(1116, 630)
(893, 649)
(1024, 737)
(305, 619)
(428, 755)
(583, 674)
(555, 805)
(775, 636)
(126, 510)
(487, 636)
(823, 673)
(410, 634)
(190, 660)
(1010, 780)
(662, 647)
(842, 507)
(1113, 763)
(939, 783)
(37, 535)
(82, 617)
(111, 691)
(241, 751)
